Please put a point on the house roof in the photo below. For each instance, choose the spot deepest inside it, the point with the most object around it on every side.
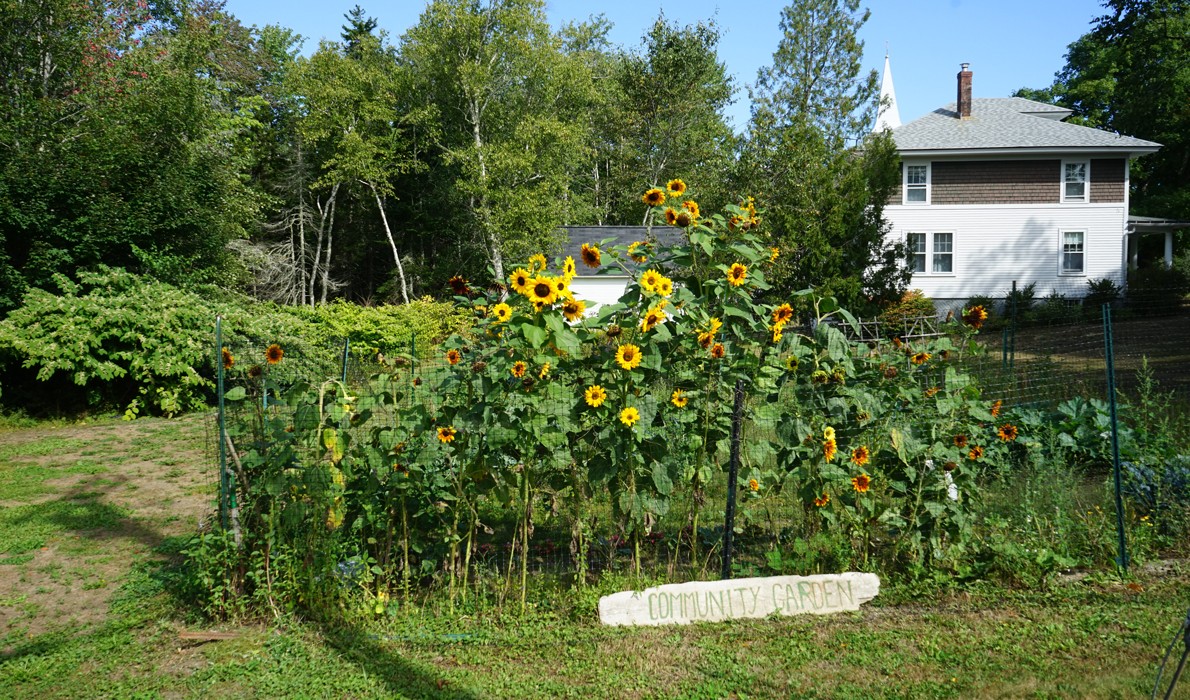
(1008, 125)
(620, 235)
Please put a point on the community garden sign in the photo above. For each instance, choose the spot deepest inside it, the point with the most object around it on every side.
(713, 601)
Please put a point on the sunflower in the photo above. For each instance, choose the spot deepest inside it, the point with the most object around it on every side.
(447, 434)
(679, 399)
(920, 358)
(628, 356)
(861, 483)
(649, 280)
(569, 270)
(714, 326)
(929, 393)
(773, 254)
(782, 314)
(453, 356)
(829, 449)
(573, 309)
(996, 407)
(654, 197)
(273, 354)
(860, 456)
(828, 433)
(960, 440)
(229, 360)
(634, 251)
(683, 219)
(459, 284)
(1008, 432)
(676, 188)
(718, 351)
(655, 316)
(692, 207)
(544, 371)
(753, 485)
(776, 333)
(822, 500)
(975, 316)
(537, 263)
(518, 369)
(562, 288)
(542, 290)
(705, 339)
(629, 416)
(595, 395)
(671, 216)
(665, 286)
(890, 372)
(737, 274)
(520, 280)
(501, 312)
(975, 453)
(590, 255)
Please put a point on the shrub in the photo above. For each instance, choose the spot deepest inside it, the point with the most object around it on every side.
(1156, 290)
(899, 318)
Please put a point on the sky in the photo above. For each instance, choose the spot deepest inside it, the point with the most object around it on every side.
(1008, 43)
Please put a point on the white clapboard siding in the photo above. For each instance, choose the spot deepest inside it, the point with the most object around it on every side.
(996, 244)
(598, 290)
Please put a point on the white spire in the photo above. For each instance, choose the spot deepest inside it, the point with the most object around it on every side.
(889, 117)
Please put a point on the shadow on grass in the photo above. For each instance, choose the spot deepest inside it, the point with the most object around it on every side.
(401, 676)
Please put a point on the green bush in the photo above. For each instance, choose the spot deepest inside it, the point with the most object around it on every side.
(1156, 290)
(114, 339)
(898, 319)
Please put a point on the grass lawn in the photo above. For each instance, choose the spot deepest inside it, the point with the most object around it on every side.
(90, 515)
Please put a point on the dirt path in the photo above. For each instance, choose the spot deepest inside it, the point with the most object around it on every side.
(80, 504)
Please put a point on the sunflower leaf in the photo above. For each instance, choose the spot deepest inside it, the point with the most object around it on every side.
(536, 335)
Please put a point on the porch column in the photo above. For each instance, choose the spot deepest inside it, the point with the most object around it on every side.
(1168, 250)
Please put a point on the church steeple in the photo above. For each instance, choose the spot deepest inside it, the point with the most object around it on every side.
(889, 117)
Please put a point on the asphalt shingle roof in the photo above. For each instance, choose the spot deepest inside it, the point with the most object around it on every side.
(622, 235)
(1007, 123)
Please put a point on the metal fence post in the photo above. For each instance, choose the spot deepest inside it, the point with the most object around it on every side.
(1110, 362)
(346, 357)
(220, 426)
(737, 419)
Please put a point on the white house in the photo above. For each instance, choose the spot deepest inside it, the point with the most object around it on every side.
(996, 190)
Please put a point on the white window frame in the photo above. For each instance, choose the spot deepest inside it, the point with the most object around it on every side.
(1086, 196)
(1062, 271)
(917, 187)
(931, 253)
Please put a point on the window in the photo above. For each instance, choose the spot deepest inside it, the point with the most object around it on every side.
(1072, 252)
(1074, 180)
(917, 184)
(931, 253)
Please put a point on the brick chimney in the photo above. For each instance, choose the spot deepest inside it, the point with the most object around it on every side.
(963, 103)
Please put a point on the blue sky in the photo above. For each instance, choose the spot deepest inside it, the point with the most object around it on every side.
(1009, 43)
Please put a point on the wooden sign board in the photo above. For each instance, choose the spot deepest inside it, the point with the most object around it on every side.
(713, 601)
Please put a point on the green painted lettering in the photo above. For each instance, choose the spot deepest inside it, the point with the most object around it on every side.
(845, 592)
(827, 589)
(805, 592)
(712, 598)
(652, 611)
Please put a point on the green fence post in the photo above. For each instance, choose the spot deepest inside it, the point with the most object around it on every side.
(737, 420)
(346, 356)
(1012, 333)
(1110, 361)
(219, 421)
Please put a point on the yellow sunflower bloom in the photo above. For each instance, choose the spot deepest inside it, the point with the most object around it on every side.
(822, 500)
(773, 254)
(544, 371)
(542, 290)
(501, 312)
(562, 288)
(648, 281)
(679, 399)
(655, 315)
(718, 351)
(447, 434)
(692, 207)
(782, 314)
(569, 270)
(737, 274)
(595, 395)
(573, 309)
(590, 255)
(653, 197)
(629, 416)
(860, 455)
(635, 251)
(671, 216)
(829, 449)
(628, 356)
(453, 356)
(518, 369)
(665, 286)
(273, 354)
(229, 360)
(537, 263)
(861, 483)
(675, 187)
(828, 433)
(520, 280)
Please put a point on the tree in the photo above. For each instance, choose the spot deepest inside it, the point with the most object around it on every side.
(666, 120)
(825, 200)
(1131, 74)
(511, 122)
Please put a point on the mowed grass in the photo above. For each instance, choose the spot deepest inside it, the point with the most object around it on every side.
(1099, 637)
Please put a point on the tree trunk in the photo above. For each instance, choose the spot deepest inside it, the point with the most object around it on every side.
(388, 232)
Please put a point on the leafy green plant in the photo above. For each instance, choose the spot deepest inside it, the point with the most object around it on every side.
(898, 319)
